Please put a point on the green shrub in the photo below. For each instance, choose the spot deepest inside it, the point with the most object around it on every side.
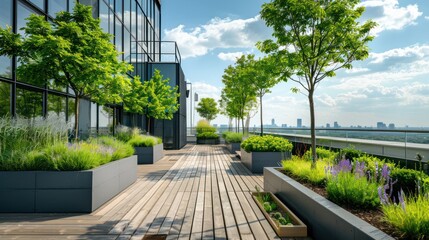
(204, 126)
(301, 169)
(144, 141)
(356, 192)
(125, 133)
(407, 179)
(266, 143)
(322, 155)
(207, 135)
(350, 153)
(121, 149)
(410, 217)
(232, 137)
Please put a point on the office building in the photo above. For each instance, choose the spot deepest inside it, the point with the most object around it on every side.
(136, 27)
(299, 123)
(336, 125)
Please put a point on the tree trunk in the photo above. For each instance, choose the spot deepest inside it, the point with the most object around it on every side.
(76, 118)
(230, 124)
(262, 123)
(313, 129)
(242, 124)
(148, 126)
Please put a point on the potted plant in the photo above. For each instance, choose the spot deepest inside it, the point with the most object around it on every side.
(233, 141)
(206, 133)
(258, 152)
(281, 218)
(148, 149)
(40, 172)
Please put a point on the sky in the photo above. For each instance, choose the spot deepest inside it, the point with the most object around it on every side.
(390, 86)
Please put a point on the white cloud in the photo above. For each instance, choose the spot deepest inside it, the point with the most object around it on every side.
(389, 15)
(414, 51)
(205, 90)
(357, 70)
(232, 56)
(218, 33)
(427, 17)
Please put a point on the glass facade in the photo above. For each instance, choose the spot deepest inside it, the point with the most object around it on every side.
(135, 29)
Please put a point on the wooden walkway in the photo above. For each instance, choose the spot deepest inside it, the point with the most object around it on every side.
(199, 192)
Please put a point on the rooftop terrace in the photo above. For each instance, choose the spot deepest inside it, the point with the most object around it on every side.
(194, 193)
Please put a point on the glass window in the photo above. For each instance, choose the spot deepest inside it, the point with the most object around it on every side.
(157, 21)
(105, 120)
(5, 98)
(39, 3)
(6, 20)
(104, 16)
(127, 39)
(72, 3)
(93, 129)
(112, 24)
(118, 8)
(93, 4)
(23, 13)
(118, 37)
(134, 18)
(28, 103)
(71, 110)
(5, 67)
(55, 6)
(56, 106)
(127, 14)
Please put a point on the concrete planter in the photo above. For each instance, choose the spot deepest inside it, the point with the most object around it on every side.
(65, 192)
(324, 219)
(256, 161)
(149, 155)
(233, 147)
(212, 141)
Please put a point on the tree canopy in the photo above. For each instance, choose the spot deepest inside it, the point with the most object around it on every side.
(207, 108)
(313, 39)
(72, 51)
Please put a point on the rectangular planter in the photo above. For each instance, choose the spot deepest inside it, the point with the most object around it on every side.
(65, 192)
(212, 141)
(298, 229)
(256, 161)
(149, 155)
(233, 147)
(324, 219)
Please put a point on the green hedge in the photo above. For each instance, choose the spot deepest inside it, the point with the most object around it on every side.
(144, 141)
(266, 143)
(207, 135)
(232, 137)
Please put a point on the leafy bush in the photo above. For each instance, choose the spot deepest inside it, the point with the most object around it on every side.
(407, 179)
(207, 135)
(204, 126)
(301, 169)
(322, 155)
(121, 149)
(232, 137)
(350, 153)
(144, 141)
(125, 133)
(266, 143)
(410, 216)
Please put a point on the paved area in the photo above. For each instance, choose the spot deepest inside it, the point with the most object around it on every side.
(198, 192)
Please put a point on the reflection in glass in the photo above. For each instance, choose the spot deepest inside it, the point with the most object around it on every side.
(55, 6)
(118, 37)
(6, 13)
(118, 9)
(127, 39)
(5, 67)
(104, 16)
(5, 98)
(72, 3)
(39, 3)
(23, 13)
(28, 103)
(105, 120)
(71, 111)
(93, 128)
(56, 106)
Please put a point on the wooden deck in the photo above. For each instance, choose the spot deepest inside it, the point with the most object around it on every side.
(199, 192)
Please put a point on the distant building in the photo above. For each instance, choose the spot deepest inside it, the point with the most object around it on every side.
(391, 126)
(381, 125)
(224, 126)
(299, 123)
(328, 125)
(284, 125)
(336, 125)
(273, 123)
(215, 125)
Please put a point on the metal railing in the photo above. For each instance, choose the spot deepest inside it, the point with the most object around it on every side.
(168, 52)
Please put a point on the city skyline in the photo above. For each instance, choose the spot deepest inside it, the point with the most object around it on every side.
(390, 86)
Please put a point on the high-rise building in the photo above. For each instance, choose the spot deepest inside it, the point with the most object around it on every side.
(299, 123)
(328, 125)
(336, 125)
(136, 29)
(273, 122)
(381, 125)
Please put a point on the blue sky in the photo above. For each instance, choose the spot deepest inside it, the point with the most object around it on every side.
(391, 86)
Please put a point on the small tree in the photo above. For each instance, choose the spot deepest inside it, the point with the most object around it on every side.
(313, 40)
(72, 51)
(161, 102)
(207, 108)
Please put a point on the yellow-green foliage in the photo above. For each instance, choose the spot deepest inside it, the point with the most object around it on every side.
(204, 126)
(322, 155)
(233, 137)
(144, 141)
(302, 170)
(266, 143)
(412, 218)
